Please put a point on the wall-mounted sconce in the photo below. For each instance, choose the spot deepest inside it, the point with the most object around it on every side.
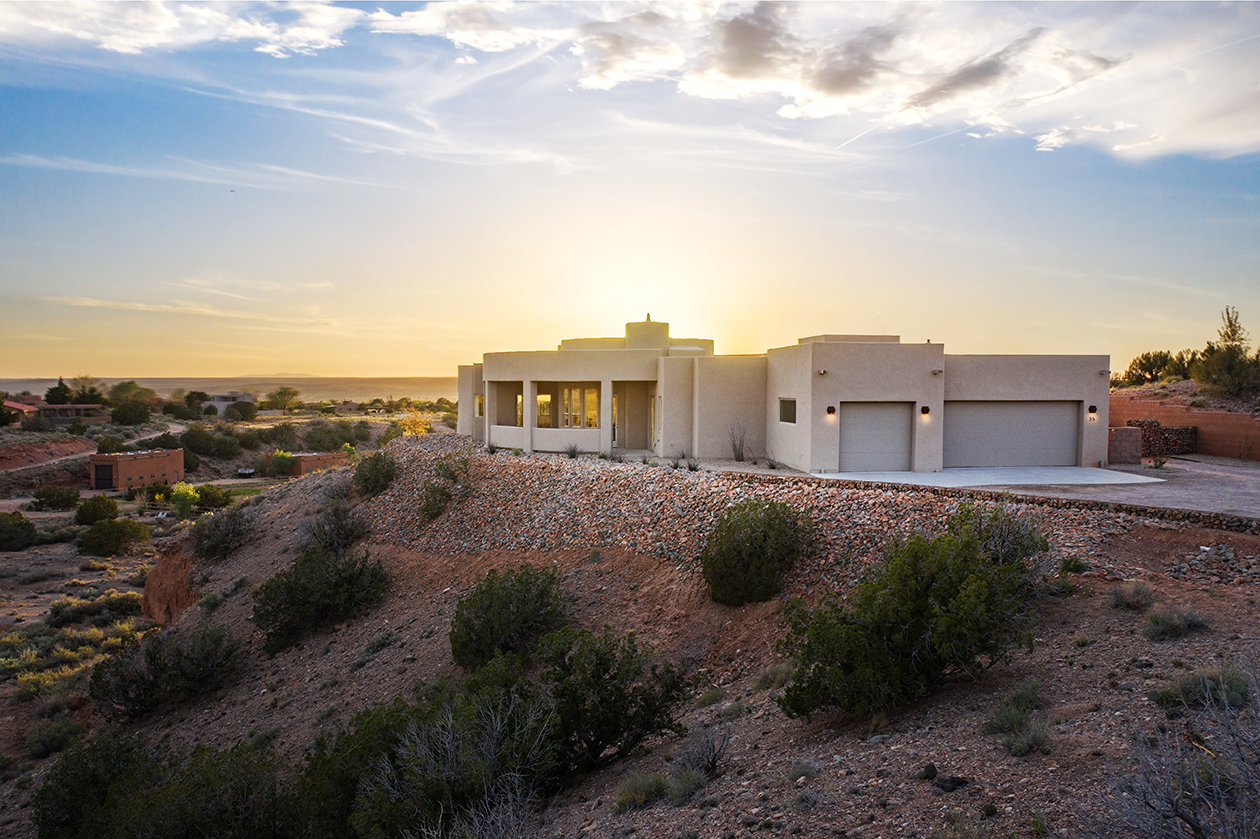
(1093, 409)
(1093, 413)
(831, 410)
(937, 372)
(1104, 372)
(822, 372)
(925, 410)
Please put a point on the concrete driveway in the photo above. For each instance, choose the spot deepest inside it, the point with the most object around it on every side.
(1191, 482)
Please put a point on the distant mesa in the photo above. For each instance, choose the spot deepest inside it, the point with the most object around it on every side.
(277, 376)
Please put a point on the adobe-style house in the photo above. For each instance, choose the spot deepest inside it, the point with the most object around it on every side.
(830, 403)
(129, 470)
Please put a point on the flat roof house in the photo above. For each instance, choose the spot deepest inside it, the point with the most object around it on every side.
(120, 470)
(830, 403)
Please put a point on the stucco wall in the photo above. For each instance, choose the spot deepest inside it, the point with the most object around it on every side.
(675, 389)
(788, 377)
(728, 390)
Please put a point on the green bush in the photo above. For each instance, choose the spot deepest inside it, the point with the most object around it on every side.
(434, 497)
(198, 440)
(753, 544)
(227, 448)
(320, 588)
(1221, 686)
(216, 536)
(638, 790)
(84, 787)
(213, 498)
(16, 533)
(164, 667)
(47, 737)
(610, 694)
(130, 413)
(374, 474)
(112, 537)
(1016, 717)
(1174, 623)
(955, 603)
(55, 498)
(507, 613)
(191, 461)
(363, 431)
(335, 531)
(184, 497)
(109, 444)
(249, 439)
(97, 508)
(279, 463)
(282, 436)
(322, 436)
(165, 440)
(241, 411)
(103, 610)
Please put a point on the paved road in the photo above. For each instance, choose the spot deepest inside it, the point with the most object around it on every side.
(1191, 482)
(172, 427)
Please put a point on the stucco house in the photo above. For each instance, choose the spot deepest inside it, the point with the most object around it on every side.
(829, 403)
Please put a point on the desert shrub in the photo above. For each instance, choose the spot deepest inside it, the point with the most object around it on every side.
(16, 532)
(47, 737)
(1220, 686)
(1196, 782)
(1136, 597)
(374, 474)
(955, 603)
(226, 447)
(363, 431)
(1173, 623)
(434, 497)
(638, 790)
(164, 667)
(55, 498)
(72, 802)
(283, 436)
(97, 508)
(324, 436)
(211, 497)
(103, 610)
(166, 440)
(1073, 565)
(507, 613)
(705, 750)
(711, 696)
(191, 461)
(336, 530)
(249, 440)
(450, 419)
(216, 536)
(610, 694)
(752, 545)
(109, 444)
(452, 468)
(241, 411)
(774, 676)
(111, 537)
(1017, 718)
(318, 589)
(198, 440)
(130, 413)
(279, 463)
(184, 497)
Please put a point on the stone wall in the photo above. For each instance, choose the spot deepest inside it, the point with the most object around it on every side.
(1161, 440)
(1124, 445)
(1218, 433)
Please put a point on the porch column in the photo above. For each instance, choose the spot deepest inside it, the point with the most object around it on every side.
(605, 415)
(492, 408)
(529, 412)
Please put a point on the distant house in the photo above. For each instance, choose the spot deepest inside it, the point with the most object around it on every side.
(304, 463)
(67, 414)
(829, 403)
(24, 410)
(221, 401)
(121, 470)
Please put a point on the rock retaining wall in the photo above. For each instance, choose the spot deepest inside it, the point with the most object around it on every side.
(1124, 445)
(1159, 439)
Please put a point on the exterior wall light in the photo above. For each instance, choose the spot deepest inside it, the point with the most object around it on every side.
(1093, 409)
(1104, 372)
(1093, 413)
(831, 410)
(925, 410)
(822, 372)
(937, 372)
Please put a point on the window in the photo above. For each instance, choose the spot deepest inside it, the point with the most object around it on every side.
(481, 405)
(787, 410)
(580, 407)
(520, 409)
(544, 410)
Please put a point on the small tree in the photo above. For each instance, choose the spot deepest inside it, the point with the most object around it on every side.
(97, 508)
(130, 391)
(240, 412)
(284, 398)
(753, 544)
(184, 497)
(16, 532)
(280, 463)
(112, 537)
(1228, 363)
(507, 613)
(130, 413)
(59, 394)
(195, 399)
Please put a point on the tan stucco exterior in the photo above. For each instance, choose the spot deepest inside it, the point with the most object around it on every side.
(675, 397)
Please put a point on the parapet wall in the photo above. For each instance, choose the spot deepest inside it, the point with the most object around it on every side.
(1219, 433)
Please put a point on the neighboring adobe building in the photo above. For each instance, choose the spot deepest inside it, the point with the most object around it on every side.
(304, 463)
(831, 403)
(121, 470)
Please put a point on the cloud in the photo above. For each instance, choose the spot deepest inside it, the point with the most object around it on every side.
(134, 27)
(473, 25)
(977, 75)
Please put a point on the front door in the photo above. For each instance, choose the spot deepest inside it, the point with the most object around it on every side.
(104, 476)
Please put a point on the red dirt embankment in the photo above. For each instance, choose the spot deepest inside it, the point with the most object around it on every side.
(167, 591)
(31, 454)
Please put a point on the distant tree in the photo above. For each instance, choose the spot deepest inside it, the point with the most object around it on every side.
(179, 394)
(7, 417)
(210, 411)
(130, 391)
(88, 390)
(195, 398)
(284, 398)
(1227, 363)
(241, 411)
(130, 413)
(59, 394)
(1146, 368)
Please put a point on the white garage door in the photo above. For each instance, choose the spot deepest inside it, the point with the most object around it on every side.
(875, 436)
(1011, 433)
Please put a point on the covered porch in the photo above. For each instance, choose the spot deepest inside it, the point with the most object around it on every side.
(551, 416)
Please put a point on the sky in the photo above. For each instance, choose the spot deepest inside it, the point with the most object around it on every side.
(363, 189)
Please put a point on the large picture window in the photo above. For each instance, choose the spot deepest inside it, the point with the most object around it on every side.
(787, 410)
(481, 405)
(544, 410)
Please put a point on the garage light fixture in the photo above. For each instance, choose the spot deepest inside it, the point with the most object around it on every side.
(1093, 413)
(831, 409)
(1093, 409)
(1104, 372)
(925, 410)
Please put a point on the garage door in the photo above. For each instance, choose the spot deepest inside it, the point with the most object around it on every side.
(1011, 433)
(875, 436)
